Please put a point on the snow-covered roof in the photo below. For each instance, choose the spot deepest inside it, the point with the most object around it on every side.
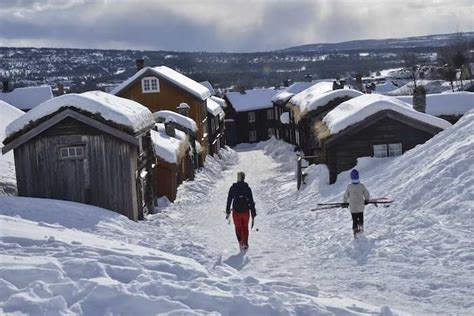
(9, 114)
(180, 80)
(182, 120)
(357, 109)
(120, 111)
(208, 85)
(28, 97)
(385, 87)
(251, 100)
(168, 148)
(452, 103)
(319, 95)
(290, 91)
(214, 108)
(285, 118)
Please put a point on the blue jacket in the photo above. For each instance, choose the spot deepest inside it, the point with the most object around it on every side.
(241, 189)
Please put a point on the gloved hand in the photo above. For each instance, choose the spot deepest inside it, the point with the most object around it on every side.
(345, 205)
(227, 216)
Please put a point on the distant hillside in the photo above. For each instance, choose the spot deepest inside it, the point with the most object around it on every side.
(429, 41)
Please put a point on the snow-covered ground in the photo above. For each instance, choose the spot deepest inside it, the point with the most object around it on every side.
(417, 257)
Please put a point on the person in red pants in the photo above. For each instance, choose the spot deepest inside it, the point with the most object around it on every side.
(243, 206)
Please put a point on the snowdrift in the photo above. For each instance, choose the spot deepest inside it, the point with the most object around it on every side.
(420, 249)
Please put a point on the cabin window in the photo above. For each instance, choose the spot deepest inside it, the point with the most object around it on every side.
(150, 84)
(73, 152)
(252, 135)
(271, 132)
(380, 151)
(270, 114)
(395, 149)
(251, 117)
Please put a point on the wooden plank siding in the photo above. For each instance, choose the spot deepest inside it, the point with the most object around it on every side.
(341, 154)
(261, 125)
(106, 176)
(168, 98)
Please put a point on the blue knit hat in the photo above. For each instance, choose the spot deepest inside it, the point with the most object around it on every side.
(355, 175)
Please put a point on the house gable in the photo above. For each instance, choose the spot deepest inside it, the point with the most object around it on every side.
(55, 119)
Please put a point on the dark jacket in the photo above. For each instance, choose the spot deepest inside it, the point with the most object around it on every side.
(241, 189)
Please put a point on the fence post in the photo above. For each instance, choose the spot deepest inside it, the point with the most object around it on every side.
(299, 175)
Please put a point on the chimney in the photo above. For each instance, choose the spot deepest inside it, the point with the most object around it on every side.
(140, 63)
(60, 89)
(419, 99)
(183, 109)
(6, 86)
(308, 77)
(169, 127)
(287, 83)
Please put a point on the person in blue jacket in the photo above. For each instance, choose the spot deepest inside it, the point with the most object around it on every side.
(243, 206)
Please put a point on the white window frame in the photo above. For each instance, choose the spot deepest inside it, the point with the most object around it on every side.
(252, 135)
(380, 150)
(251, 117)
(72, 152)
(150, 85)
(271, 132)
(270, 114)
(395, 150)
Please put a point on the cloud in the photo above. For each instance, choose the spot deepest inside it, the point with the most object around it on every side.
(214, 25)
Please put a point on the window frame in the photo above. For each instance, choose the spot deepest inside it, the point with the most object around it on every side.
(378, 149)
(149, 81)
(398, 151)
(72, 152)
(251, 117)
(270, 114)
(252, 132)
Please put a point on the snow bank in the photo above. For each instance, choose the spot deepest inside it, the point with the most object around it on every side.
(420, 248)
(251, 100)
(182, 120)
(28, 97)
(180, 80)
(121, 111)
(454, 103)
(358, 109)
(9, 113)
(168, 148)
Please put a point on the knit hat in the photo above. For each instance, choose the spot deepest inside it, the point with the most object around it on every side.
(240, 176)
(355, 176)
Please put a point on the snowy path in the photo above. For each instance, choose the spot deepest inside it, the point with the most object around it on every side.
(316, 251)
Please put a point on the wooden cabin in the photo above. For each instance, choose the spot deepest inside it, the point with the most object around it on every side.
(371, 126)
(162, 88)
(253, 114)
(216, 128)
(92, 148)
(309, 107)
(173, 159)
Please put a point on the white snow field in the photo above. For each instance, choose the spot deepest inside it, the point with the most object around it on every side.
(416, 257)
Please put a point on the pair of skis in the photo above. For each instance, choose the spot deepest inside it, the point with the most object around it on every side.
(326, 206)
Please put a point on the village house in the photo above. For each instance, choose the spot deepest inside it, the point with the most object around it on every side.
(173, 154)
(162, 88)
(371, 126)
(309, 107)
(449, 106)
(25, 98)
(92, 148)
(285, 124)
(252, 113)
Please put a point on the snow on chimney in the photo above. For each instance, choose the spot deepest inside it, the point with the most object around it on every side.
(183, 109)
(169, 126)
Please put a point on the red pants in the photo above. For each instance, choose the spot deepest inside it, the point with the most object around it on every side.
(241, 222)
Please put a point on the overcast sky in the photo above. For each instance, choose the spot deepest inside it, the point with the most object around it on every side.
(222, 25)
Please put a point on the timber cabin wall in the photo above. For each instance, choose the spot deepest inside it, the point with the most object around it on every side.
(261, 125)
(342, 154)
(168, 98)
(105, 177)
